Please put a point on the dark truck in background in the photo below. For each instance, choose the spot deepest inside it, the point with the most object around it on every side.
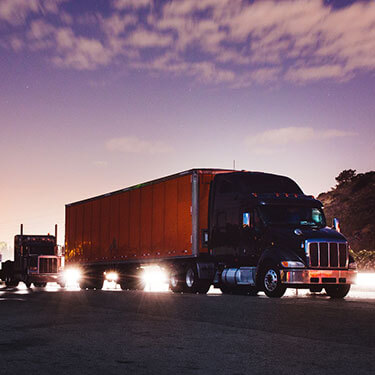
(242, 232)
(36, 260)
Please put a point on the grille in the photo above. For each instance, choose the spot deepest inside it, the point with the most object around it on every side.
(47, 265)
(327, 254)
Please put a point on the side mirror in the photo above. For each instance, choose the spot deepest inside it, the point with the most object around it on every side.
(336, 224)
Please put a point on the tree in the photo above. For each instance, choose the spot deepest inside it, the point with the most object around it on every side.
(345, 176)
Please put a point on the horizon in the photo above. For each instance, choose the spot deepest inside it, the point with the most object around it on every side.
(102, 95)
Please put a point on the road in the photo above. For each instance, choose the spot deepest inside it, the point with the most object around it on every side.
(114, 332)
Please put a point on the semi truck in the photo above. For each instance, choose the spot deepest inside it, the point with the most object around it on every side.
(242, 232)
(36, 260)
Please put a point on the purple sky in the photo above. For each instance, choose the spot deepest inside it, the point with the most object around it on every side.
(99, 95)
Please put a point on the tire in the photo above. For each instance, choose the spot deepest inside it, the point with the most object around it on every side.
(271, 282)
(40, 285)
(176, 283)
(11, 283)
(337, 291)
(192, 282)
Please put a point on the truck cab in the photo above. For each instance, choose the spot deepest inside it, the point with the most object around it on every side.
(36, 260)
(265, 234)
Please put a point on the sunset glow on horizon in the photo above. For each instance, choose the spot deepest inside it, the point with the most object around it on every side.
(100, 95)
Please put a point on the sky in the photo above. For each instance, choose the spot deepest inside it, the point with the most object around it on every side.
(99, 95)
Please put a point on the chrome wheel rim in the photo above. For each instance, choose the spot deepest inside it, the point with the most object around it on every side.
(190, 278)
(270, 280)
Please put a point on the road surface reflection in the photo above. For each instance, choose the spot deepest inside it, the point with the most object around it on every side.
(363, 289)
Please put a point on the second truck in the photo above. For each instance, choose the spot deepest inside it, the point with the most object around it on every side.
(242, 232)
(36, 261)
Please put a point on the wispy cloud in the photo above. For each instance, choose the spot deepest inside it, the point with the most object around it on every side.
(236, 42)
(275, 140)
(100, 163)
(137, 145)
(293, 134)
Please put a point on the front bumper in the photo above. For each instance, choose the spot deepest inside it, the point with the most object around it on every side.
(317, 277)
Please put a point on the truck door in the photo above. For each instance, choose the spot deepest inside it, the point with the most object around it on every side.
(250, 236)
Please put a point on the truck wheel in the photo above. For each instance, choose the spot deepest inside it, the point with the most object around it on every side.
(337, 291)
(192, 282)
(40, 285)
(176, 284)
(271, 282)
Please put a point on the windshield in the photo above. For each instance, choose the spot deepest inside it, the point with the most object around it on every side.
(293, 215)
(40, 249)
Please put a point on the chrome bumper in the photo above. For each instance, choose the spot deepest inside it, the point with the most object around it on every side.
(316, 277)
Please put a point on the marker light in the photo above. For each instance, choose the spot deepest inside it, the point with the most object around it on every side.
(72, 276)
(292, 264)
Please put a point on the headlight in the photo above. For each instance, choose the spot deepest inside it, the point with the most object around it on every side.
(72, 276)
(111, 276)
(292, 264)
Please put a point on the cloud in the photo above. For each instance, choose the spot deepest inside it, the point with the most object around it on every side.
(100, 163)
(136, 145)
(70, 50)
(143, 38)
(234, 42)
(135, 4)
(292, 135)
(15, 11)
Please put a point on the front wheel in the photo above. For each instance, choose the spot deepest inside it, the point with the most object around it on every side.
(337, 291)
(271, 282)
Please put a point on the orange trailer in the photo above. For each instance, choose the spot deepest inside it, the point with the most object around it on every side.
(153, 222)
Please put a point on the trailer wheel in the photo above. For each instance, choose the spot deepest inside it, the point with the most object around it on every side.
(337, 291)
(11, 283)
(271, 282)
(176, 283)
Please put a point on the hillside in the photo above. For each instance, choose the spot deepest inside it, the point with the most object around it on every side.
(353, 202)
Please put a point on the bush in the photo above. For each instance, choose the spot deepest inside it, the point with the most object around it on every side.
(365, 259)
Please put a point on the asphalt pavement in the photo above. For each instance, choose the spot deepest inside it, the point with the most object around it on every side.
(56, 331)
